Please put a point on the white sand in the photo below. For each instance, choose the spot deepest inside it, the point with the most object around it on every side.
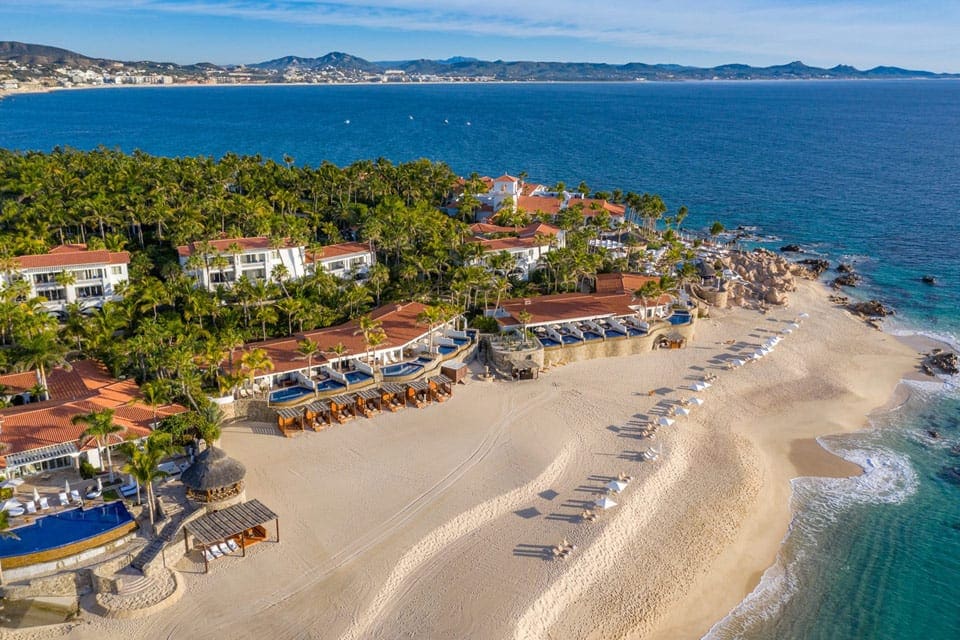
(437, 523)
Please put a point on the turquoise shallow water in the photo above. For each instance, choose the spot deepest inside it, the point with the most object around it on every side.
(868, 171)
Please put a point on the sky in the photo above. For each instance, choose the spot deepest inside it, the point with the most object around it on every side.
(918, 34)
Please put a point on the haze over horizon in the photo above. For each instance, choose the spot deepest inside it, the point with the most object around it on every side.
(702, 33)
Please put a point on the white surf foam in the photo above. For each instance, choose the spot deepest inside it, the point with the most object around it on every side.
(888, 478)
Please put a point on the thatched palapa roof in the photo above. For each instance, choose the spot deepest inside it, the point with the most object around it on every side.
(213, 469)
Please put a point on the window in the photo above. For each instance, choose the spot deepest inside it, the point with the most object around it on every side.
(44, 278)
(254, 258)
(53, 295)
(256, 274)
(93, 291)
(217, 277)
(335, 266)
(88, 274)
(359, 262)
(116, 270)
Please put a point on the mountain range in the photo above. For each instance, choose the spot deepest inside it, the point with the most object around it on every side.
(464, 68)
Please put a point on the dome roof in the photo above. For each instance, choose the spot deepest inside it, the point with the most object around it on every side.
(213, 469)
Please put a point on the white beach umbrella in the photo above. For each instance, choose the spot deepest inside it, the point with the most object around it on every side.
(36, 494)
(665, 421)
(12, 503)
(99, 484)
(803, 314)
(605, 503)
(739, 362)
(706, 385)
(66, 487)
(787, 331)
(698, 386)
(683, 411)
(12, 483)
(616, 486)
(695, 400)
(795, 325)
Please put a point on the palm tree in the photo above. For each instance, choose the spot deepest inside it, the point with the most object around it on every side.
(308, 349)
(369, 327)
(254, 361)
(42, 352)
(524, 317)
(143, 463)
(100, 428)
(339, 350)
(154, 394)
(432, 315)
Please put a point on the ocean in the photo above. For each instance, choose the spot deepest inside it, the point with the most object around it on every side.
(864, 171)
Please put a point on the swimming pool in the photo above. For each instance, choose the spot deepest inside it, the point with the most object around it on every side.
(680, 317)
(613, 333)
(353, 377)
(634, 332)
(591, 335)
(65, 528)
(446, 349)
(547, 342)
(290, 393)
(401, 369)
(329, 384)
(568, 339)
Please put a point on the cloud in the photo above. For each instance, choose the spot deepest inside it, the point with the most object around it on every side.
(818, 30)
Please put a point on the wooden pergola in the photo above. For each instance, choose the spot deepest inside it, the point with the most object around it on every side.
(368, 402)
(289, 419)
(391, 396)
(239, 520)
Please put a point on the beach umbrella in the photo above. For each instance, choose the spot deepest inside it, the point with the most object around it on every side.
(804, 314)
(706, 385)
(11, 504)
(698, 386)
(616, 486)
(605, 503)
(66, 487)
(665, 421)
(99, 484)
(695, 400)
(787, 331)
(795, 325)
(683, 411)
(36, 495)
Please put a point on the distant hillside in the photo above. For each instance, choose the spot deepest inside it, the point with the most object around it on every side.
(337, 66)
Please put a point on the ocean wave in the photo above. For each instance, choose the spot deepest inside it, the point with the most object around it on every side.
(818, 503)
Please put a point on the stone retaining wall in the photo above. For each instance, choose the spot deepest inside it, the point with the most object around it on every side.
(615, 347)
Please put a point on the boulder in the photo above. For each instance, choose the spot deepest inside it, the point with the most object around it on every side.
(870, 309)
(791, 248)
(845, 268)
(846, 280)
(928, 279)
(945, 361)
(816, 265)
(775, 297)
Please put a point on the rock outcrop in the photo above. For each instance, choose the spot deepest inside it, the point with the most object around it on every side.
(945, 361)
(846, 280)
(870, 309)
(814, 266)
(791, 248)
(765, 278)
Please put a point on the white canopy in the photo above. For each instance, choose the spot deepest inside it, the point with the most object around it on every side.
(804, 314)
(66, 487)
(787, 331)
(695, 400)
(795, 325)
(11, 483)
(665, 421)
(616, 486)
(698, 386)
(605, 503)
(683, 411)
(11, 504)
(36, 494)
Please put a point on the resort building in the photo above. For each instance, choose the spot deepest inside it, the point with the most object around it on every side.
(224, 261)
(71, 273)
(344, 260)
(39, 436)
(346, 360)
(525, 245)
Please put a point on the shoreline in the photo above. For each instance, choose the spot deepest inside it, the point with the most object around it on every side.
(392, 525)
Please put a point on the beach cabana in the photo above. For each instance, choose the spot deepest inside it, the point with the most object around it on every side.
(695, 400)
(418, 393)
(367, 402)
(616, 486)
(682, 411)
(392, 396)
(289, 420)
(213, 477)
(665, 421)
(317, 415)
(230, 530)
(342, 408)
(441, 387)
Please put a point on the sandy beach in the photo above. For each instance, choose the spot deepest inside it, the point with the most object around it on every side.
(439, 522)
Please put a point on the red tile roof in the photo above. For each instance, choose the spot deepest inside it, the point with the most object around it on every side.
(565, 307)
(87, 387)
(399, 322)
(622, 282)
(615, 210)
(67, 255)
(539, 228)
(529, 187)
(504, 244)
(223, 245)
(484, 228)
(337, 251)
(16, 383)
(546, 204)
(506, 178)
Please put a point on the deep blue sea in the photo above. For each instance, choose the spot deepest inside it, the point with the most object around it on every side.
(865, 171)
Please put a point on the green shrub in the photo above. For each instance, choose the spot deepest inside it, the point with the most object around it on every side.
(485, 324)
(87, 470)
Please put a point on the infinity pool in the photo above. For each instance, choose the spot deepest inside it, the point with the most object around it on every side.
(401, 369)
(680, 317)
(66, 527)
(290, 393)
(353, 377)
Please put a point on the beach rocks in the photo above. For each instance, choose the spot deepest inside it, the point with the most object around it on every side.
(791, 248)
(843, 267)
(870, 309)
(846, 280)
(928, 279)
(945, 361)
(765, 278)
(815, 266)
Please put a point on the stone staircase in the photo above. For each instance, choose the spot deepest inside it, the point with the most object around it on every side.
(174, 515)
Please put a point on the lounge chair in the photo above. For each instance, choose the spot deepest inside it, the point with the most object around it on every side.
(44, 504)
(209, 556)
(75, 496)
(31, 507)
(93, 494)
(15, 511)
(215, 550)
(232, 545)
(64, 500)
(224, 549)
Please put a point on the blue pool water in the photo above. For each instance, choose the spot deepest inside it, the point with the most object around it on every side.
(353, 377)
(548, 342)
(680, 317)
(290, 393)
(401, 369)
(613, 333)
(66, 527)
(461, 341)
(568, 339)
(634, 332)
(446, 349)
(591, 335)
(329, 385)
